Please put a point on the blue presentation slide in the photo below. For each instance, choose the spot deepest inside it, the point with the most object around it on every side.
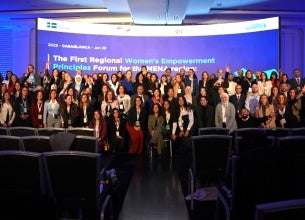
(99, 53)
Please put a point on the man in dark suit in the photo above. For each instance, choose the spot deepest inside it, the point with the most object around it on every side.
(297, 82)
(238, 99)
(140, 92)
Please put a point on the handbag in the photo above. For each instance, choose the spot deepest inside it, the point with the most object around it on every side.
(106, 146)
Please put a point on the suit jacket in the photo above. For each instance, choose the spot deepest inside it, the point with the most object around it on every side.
(112, 129)
(294, 84)
(238, 104)
(230, 117)
(145, 97)
(205, 116)
(132, 117)
(36, 115)
(73, 116)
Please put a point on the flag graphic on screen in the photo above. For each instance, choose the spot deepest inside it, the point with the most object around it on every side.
(51, 24)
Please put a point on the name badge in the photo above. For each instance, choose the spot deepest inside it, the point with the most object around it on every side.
(250, 90)
(179, 90)
(283, 120)
(137, 123)
(85, 120)
(25, 110)
(117, 133)
(69, 122)
(121, 106)
(39, 116)
(167, 127)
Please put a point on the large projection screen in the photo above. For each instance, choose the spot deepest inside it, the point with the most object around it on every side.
(97, 48)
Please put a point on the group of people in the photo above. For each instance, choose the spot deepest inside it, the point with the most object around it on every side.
(131, 111)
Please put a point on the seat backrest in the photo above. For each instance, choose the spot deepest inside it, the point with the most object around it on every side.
(292, 144)
(22, 131)
(62, 141)
(284, 210)
(252, 181)
(3, 131)
(49, 131)
(251, 138)
(213, 130)
(81, 131)
(73, 178)
(210, 155)
(21, 172)
(85, 143)
(8, 142)
(36, 143)
(297, 131)
(278, 132)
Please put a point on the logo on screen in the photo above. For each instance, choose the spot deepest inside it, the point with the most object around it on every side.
(51, 25)
(257, 26)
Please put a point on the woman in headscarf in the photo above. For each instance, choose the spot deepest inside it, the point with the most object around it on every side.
(225, 114)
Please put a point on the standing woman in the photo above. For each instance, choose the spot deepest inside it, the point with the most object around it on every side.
(109, 104)
(140, 80)
(284, 117)
(264, 85)
(135, 126)
(205, 81)
(128, 82)
(69, 113)
(16, 94)
(170, 120)
(183, 132)
(11, 83)
(225, 114)
(178, 86)
(7, 115)
(100, 127)
(155, 124)
(155, 99)
(295, 103)
(275, 81)
(164, 86)
(123, 100)
(37, 109)
(113, 82)
(102, 96)
(264, 109)
(192, 81)
(55, 78)
(51, 117)
(273, 98)
(117, 131)
(86, 111)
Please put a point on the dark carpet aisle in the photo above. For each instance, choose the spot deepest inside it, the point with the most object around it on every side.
(129, 167)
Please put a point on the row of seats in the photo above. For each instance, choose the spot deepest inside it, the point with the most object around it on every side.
(56, 142)
(52, 185)
(278, 132)
(28, 131)
(250, 174)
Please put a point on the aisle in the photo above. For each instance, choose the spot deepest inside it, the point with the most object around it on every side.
(154, 192)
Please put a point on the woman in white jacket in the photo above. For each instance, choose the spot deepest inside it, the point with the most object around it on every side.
(7, 115)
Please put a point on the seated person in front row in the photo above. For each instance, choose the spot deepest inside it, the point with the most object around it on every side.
(245, 120)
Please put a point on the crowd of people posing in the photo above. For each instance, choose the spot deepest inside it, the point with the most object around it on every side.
(131, 111)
